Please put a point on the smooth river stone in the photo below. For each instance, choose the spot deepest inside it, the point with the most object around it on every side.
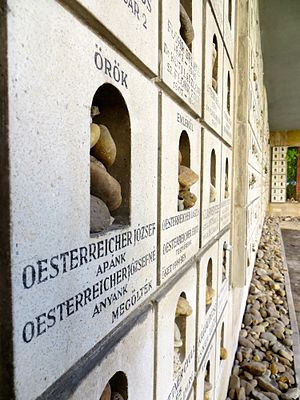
(105, 149)
(99, 215)
(183, 307)
(94, 134)
(105, 187)
(189, 198)
(186, 27)
(187, 177)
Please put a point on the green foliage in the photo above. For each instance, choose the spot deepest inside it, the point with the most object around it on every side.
(290, 191)
(291, 156)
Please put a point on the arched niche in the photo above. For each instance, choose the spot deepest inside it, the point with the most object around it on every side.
(186, 22)
(209, 284)
(207, 382)
(224, 262)
(109, 109)
(229, 11)
(185, 149)
(213, 164)
(118, 384)
(226, 183)
(179, 337)
(228, 92)
(215, 66)
(223, 351)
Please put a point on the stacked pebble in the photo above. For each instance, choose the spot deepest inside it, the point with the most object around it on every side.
(263, 367)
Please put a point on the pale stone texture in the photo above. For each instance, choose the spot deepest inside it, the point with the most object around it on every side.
(135, 349)
(181, 227)
(50, 192)
(210, 210)
(229, 28)
(228, 101)
(218, 10)
(226, 187)
(212, 100)
(207, 317)
(166, 385)
(223, 273)
(209, 357)
(181, 68)
(135, 23)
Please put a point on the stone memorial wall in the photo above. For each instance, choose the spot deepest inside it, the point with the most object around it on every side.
(135, 179)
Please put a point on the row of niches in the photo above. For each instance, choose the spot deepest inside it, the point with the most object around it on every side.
(110, 165)
(177, 315)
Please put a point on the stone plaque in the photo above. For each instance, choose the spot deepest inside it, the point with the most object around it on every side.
(226, 186)
(228, 103)
(229, 27)
(252, 217)
(179, 236)
(213, 73)
(133, 22)
(211, 175)
(70, 289)
(254, 151)
(207, 299)
(181, 68)
(254, 184)
(218, 10)
(134, 350)
(172, 385)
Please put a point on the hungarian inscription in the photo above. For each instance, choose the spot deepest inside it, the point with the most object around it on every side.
(207, 331)
(210, 223)
(181, 73)
(139, 9)
(178, 247)
(115, 286)
(212, 107)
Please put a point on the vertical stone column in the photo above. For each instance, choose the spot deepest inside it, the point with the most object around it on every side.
(298, 177)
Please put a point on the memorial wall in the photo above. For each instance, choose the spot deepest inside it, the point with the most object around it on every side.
(135, 180)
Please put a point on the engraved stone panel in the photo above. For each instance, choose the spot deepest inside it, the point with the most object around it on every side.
(179, 237)
(226, 186)
(207, 299)
(135, 23)
(134, 350)
(229, 27)
(67, 284)
(218, 10)
(213, 73)
(211, 176)
(181, 68)
(175, 381)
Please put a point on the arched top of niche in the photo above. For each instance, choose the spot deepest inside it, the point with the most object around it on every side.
(118, 383)
(228, 105)
(112, 112)
(185, 149)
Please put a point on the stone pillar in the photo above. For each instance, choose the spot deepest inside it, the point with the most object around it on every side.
(298, 177)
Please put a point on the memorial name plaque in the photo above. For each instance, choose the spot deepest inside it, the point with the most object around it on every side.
(182, 62)
(176, 333)
(70, 289)
(213, 73)
(254, 153)
(207, 299)
(134, 22)
(180, 210)
(254, 184)
(226, 186)
(135, 349)
(229, 27)
(211, 176)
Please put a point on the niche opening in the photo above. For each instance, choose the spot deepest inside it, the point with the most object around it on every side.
(213, 191)
(223, 351)
(207, 383)
(230, 12)
(224, 262)
(214, 64)
(186, 18)
(210, 292)
(183, 310)
(110, 161)
(186, 176)
(228, 92)
(226, 191)
(116, 388)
